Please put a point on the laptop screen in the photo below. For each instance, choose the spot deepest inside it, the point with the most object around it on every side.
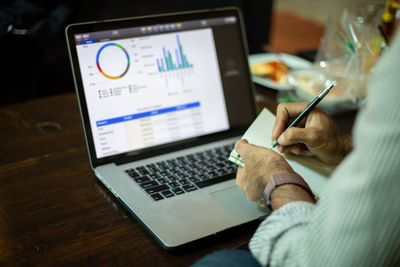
(149, 85)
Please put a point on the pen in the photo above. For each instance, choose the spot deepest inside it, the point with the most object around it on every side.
(316, 99)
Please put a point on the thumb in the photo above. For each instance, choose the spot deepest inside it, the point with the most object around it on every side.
(295, 135)
(242, 147)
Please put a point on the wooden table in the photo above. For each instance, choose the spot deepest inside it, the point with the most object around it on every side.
(54, 211)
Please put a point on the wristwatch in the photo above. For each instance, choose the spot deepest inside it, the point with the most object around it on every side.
(282, 179)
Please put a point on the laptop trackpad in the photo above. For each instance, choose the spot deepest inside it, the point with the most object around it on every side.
(235, 201)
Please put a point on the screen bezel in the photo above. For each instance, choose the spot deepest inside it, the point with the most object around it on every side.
(95, 26)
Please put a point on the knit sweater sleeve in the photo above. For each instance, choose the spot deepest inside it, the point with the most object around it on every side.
(355, 223)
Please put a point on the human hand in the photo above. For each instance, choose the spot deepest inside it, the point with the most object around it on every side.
(316, 135)
(260, 164)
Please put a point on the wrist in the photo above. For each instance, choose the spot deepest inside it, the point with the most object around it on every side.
(288, 193)
(281, 180)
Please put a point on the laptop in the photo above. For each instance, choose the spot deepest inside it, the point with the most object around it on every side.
(163, 100)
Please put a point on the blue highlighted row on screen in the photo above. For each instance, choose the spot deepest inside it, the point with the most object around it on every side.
(89, 41)
(147, 114)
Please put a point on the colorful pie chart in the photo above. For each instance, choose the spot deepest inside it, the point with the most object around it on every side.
(98, 61)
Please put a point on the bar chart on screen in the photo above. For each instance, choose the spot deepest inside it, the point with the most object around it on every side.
(149, 90)
(167, 63)
(174, 63)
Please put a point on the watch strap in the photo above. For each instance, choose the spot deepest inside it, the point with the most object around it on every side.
(282, 179)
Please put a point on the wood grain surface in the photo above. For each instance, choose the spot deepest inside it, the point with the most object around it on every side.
(53, 210)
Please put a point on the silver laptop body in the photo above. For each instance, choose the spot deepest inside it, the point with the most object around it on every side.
(153, 90)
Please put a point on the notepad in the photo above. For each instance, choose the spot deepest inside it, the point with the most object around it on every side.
(312, 170)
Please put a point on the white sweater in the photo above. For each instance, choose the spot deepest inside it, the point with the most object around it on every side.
(357, 220)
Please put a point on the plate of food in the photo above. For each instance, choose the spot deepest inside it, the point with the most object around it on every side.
(272, 70)
(307, 83)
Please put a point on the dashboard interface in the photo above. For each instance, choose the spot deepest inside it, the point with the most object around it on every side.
(156, 84)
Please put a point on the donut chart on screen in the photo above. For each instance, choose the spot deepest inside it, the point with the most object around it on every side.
(98, 62)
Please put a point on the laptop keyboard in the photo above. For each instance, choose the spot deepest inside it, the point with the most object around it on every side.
(177, 176)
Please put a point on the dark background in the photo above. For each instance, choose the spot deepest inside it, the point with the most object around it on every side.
(33, 55)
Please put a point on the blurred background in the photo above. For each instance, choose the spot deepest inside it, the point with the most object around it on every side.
(33, 55)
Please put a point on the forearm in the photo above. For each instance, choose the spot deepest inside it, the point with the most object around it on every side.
(278, 236)
(358, 213)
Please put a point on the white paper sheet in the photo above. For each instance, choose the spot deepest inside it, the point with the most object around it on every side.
(312, 170)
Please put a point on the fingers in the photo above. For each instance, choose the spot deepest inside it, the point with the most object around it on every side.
(293, 149)
(297, 149)
(278, 129)
(261, 203)
(241, 182)
(243, 148)
(240, 176)
(308, 136)
(284, 113)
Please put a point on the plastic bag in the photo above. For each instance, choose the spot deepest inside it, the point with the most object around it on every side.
(348, 51)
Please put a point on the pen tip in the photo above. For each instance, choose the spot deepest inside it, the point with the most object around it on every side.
(274, 144)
